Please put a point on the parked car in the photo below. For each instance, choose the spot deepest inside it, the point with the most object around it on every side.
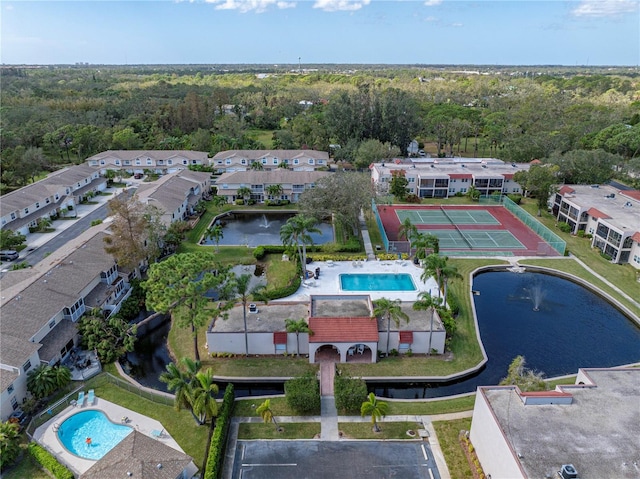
(8, 255)
(137, 176)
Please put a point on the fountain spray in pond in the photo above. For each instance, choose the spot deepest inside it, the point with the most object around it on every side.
(536, 294)
(265, 222)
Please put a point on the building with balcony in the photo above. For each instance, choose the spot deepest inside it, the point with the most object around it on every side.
(610, 215)
(40, 307)
(292, 183)
(242, 160)
(445, 177)
(137, 161)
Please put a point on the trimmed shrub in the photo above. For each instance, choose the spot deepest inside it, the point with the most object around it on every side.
(349, 393)
(96, 222)
(259, 252)
(49, 462)
(517, 199)
(303, 394)
(218, 445)
(564, 227)
(452, 301)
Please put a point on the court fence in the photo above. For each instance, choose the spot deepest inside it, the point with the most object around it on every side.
(383, 233)
(551, 239)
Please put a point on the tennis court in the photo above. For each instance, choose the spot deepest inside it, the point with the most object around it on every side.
(468, 230)
(477, 239)
(447, 216)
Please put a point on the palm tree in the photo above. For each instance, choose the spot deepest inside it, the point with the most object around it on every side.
(241, 288)
(390, 309)
(426, 302)
(299, 326)
(266, 413)
(256, 166)
(41, 381)
(408, 231)
(423, 242)
(244, 192)
(202, 396)
(9, 443)
(219, 201)
(215, 233)
(274, 191)
(297, 231)
(448, 272)
(179, 382)
(374, 408)
(62, 375)
(433, 266)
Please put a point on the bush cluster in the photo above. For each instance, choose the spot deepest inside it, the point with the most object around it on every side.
(517, 199)
(49, 462)
(452, 301)
(303, 394)
(349, 393)
(218, 445)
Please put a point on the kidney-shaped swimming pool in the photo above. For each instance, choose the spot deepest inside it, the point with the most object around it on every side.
(90, 434)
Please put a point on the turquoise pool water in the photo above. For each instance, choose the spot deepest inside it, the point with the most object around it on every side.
(104, 434)
(377, 282)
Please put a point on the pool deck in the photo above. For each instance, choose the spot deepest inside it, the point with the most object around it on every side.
(47, 437)
(329, 281)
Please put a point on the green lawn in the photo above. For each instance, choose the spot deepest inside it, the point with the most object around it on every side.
(299, 430)
(246, 407)
(388, 430)
(440, 406)
(447, 432)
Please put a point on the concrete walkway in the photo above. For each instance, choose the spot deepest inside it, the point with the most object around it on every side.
(328, 411)
(368, 247)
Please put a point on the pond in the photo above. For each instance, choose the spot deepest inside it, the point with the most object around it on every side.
(262, 229)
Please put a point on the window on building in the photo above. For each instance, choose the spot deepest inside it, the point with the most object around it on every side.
(138, 162)
(149, 162)
(10, 389)
(169, 162)
(47, 200)
(26, 211)
(118, 162)
(296, 162)
(37, 204)
(13, 216)
(184, 162)
(52, 323)
(101, 162)
(14, 403)
(26, 366)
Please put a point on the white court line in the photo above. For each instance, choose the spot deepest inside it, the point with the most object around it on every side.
(276, 465)
(243, 451)
(424, 452)
(431, 473)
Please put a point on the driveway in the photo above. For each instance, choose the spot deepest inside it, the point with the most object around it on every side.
(336, 459)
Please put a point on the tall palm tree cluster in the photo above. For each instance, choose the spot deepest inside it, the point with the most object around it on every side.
(194, 389)
(297, 232)
(44, 380)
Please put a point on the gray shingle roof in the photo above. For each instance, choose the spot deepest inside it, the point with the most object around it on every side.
(28, 305)
(40, 190)
(154, 154)
(141, 456)
(280, 154)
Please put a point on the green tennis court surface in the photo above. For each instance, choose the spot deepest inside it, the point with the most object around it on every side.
(472, 239)
(445, 217)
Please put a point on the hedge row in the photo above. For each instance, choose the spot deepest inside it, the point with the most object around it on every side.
(49, 462)
(350, 393)
(218, 445)
(303, 394)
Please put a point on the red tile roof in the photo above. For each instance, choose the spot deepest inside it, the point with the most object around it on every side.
(340, 330)
(566, 189)
(406, 337)
(460, 176)
(535, 162)
(279, 338)
(636, 237)
(635, 194)
(508, 176)
(595, 213)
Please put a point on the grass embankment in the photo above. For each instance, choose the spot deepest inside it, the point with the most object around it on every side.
(388, 430)
(448, 432)
(297, 430)
(430, 408)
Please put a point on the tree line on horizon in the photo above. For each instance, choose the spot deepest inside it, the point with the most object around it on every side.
(55, 117)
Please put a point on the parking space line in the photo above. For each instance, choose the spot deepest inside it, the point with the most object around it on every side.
(430, 473)
(424, 452)
(276, 465)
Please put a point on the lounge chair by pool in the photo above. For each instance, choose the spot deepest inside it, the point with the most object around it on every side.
(80, 401)
(91, 398)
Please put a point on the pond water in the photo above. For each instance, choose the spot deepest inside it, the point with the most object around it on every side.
(263, 229)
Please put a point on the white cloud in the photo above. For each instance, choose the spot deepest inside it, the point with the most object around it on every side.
(8, 7)
(340, 5)
(456, 25)
(432, 3)
(604, 8)
(244, 6)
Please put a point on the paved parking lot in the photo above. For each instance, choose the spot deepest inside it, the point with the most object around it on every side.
(339, 459)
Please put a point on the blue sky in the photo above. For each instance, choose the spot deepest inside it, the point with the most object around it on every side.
(488, 32)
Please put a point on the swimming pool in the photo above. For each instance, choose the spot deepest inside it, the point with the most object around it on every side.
(74, 434)
(377, 282)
